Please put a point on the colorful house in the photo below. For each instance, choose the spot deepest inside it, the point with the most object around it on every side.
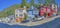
(19, 14)
(31, 12)
(43, 10)
(54, 8)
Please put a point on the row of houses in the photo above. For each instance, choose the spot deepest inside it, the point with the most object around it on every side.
(8, 19)
(32, 12)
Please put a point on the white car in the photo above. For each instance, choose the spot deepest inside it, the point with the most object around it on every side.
(41, 17)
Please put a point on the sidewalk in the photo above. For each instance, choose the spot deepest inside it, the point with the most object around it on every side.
(35, 23)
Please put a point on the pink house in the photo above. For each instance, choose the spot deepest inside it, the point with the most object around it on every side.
(45, 9)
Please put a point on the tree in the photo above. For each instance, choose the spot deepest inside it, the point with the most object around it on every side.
(25, 16)
(9, 12)
(23, 3)
(32, 2)
(46, 3)
(49, 2)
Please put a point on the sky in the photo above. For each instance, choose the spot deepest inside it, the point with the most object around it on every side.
(7, 3)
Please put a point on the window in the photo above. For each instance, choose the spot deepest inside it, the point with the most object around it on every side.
(16, 15)
(35, 12)
(29, 12)
(48, 10)
(20, 14)
(17, 10)
(20, 10)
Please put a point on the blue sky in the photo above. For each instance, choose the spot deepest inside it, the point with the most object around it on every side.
(7, 3)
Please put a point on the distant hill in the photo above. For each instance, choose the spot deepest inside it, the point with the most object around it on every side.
(10, 10)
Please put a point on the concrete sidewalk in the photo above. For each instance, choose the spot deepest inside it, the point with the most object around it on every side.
(36, 23)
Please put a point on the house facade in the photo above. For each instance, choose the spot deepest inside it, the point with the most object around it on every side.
(31, 12)
(54, 8)
(19, 14)
(43, 10)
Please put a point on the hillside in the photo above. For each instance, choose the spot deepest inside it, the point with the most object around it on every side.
(10, 10)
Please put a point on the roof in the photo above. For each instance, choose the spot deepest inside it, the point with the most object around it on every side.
(32, 8)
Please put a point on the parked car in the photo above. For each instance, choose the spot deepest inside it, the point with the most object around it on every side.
(41, 17)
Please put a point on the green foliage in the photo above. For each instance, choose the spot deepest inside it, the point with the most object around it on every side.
(9, 11)
(37, 6)
(23, 3)
(32, 2)
(25, 16)
(27, 5)
(47, 3)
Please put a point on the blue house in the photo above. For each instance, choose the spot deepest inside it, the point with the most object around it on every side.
(31, 12)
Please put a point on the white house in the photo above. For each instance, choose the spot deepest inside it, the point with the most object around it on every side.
(54, 7)
(19, 13)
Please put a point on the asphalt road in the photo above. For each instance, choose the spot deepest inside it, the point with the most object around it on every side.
(53, 24)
